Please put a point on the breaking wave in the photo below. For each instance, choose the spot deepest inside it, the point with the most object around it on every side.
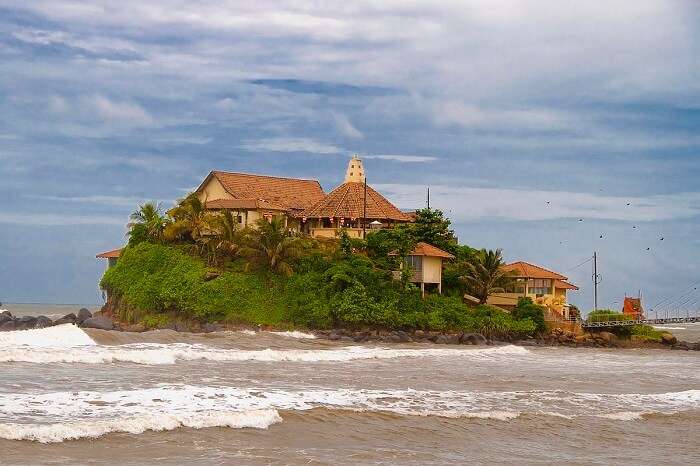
(60, 336)
(58, 416)
(295, 334)
(157, 354)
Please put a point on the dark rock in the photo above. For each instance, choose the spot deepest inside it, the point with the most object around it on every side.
(334, 336)
(42, 322)
(346, 338)
(605, 337)
(99, 322)
(447, 340)
(25, 323)
(472, 339)
(211, 276)
(208, 328)
(8, 326)
(668, 339)
(181, 327)
(399, 336)
(66, 319)
(5, 316)
(83, 314)
(359, 337)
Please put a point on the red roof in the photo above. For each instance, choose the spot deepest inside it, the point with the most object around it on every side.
(527, 270)
(114, 253)
(561, 284)
(289, 193)
(243, 204)
(428, 250)
(348, 201)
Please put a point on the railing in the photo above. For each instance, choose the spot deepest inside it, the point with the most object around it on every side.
(628, 323)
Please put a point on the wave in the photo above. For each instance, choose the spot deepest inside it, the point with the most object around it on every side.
(72, 430)
(295, 334)
(158, 354)
(60, 336)
(67, 415)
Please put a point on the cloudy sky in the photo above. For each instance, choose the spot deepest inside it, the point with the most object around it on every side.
(539, 126)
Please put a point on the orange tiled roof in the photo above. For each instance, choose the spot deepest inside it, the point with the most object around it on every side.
(244, 204)
(347, 201)
(290, 193)
(527, 270)
(425, 249)
(561, 284)
(110, 254)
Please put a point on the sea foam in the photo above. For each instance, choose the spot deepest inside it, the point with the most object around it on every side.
(156, 354)
(60, 336)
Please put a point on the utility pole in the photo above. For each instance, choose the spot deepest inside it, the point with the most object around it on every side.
(428, 197)
(595, 281)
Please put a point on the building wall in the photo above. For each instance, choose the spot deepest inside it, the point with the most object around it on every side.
(213, 189)
(432, 269)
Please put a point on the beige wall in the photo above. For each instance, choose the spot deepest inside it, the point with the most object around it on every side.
(213, 189)
(432, 269)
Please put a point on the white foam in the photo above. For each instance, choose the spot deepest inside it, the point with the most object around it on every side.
(60, 336)
(156, 354)
(668, 328)
(58, 416)
(248, 332)
(58, 432)
(295, 334)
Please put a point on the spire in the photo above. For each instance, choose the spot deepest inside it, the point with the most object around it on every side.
(355, 172)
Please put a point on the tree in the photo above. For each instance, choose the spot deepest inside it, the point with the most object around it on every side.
(272, 246)
(146, 224)
(191, 220)
(484, 275)
(431, 226)
(226, 238)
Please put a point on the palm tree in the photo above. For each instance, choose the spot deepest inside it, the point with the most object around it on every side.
(484, 275)
(147, 223)
(227, 239)
(191, 220)
(272, 245)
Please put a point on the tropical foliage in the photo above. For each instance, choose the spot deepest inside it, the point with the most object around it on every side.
(484, 275)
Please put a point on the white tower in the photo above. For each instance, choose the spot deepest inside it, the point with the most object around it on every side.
(355, 172)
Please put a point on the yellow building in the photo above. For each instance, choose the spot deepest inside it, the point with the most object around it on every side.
(544, 286)
(426, 261)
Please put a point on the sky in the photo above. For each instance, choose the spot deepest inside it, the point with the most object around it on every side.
(548, 128)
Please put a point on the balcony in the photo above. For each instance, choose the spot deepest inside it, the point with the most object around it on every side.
(335, 232)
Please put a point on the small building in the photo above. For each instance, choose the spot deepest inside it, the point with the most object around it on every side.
(633, 307)
(426, 261)
(353, 206)
(543, 286)
(252, 197)
(111, 256)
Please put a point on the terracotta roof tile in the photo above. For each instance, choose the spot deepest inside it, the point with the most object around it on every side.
(527, 270)
(290, 193)
(425, 249)
(561, 284)
(347, 201)
(110, 254)
(244, 204)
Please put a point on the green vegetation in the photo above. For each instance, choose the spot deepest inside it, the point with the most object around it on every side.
(191, 263)
(607, 315)
(646, 333)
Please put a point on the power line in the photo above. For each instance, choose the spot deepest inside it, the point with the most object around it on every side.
(579, 265)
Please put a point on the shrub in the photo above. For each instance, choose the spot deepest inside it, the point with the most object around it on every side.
(526, 309)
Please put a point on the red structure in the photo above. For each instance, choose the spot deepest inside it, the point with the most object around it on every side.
(633, 308)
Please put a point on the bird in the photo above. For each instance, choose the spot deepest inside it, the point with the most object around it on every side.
(547, 202)
(634, 226)
(601, 236)
(661, 239)
(580, 220)
(629, 203)
(648, 249)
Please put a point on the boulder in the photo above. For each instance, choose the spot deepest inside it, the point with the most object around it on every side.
(83, 314)
(447, 340)
(25, 323)
(606, 337)
(5, 316)
(668, 339)
(399, 337)
(99, 322)
(208, 328)
(42, 322)
(66, 319)
(8, 326)
(472, 339)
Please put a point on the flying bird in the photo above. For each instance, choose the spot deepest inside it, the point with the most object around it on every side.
(661, 239)
(580, 220)
(634, 226)
(648, 249)
(629, 203)
(601, 236)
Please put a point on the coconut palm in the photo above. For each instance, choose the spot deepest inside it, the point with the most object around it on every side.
(226, 241)
(484, 275)
(191, 220)
(147, 223)
(272, 245)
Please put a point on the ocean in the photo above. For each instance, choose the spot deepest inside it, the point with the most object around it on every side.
(69, 396)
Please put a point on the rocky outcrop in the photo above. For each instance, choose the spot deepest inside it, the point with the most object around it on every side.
(99, 322)
(668, 339)
(83, 315)
(66, 319)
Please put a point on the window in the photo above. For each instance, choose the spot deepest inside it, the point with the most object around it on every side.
(539, 286)
(239, 219)
(415, 262)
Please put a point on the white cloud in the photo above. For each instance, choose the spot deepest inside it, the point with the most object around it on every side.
(120, 112)
(468, 203)
(345, 127)
(403, 158)
(290, 145)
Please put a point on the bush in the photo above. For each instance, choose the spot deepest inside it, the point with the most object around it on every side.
(646, 333)
(526, 309)
(607, 315)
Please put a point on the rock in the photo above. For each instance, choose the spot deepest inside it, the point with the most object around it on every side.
(42, 322)
(8, 326)
(472, 339)
(25, 323)
(420, 334)
(668, 339)
(100, 322)
(138, 327)
(359, 337)
(208, 328)
(447, 340)
(5, 316)
(66, 319)
(346, 338)
(606, 337)
(211, 276)
(83, 314)
(181, 327)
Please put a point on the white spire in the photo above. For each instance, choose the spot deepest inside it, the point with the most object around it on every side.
(355, 172)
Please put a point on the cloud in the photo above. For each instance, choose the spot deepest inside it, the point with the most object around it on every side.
(120, 201)
(403, 158)
(290, 145)
(48, 219)
(119, 112)
(345, 127)
(464, 203)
